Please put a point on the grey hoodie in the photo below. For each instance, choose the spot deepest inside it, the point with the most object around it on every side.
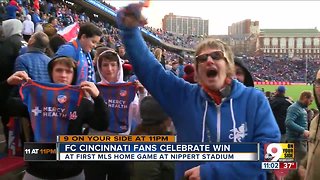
(28, 26)
(11, 45)
(12, 27)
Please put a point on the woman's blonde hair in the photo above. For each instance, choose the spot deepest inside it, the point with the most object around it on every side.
(219, 45)
(158, 53)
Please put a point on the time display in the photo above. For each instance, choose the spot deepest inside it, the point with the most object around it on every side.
(270, 165)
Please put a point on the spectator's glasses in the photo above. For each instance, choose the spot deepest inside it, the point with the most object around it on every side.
(216, 55)
(317, 83)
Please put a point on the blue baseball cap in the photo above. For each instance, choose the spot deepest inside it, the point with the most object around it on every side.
(281, 89)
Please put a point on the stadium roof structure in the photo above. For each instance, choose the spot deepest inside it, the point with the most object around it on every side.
(289, 33)
(96, 7)
(285, 31)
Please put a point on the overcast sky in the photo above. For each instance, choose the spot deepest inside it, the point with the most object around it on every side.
(221, 14)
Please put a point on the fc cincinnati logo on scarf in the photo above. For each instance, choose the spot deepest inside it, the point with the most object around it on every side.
(123, 93)
(62, 99)
(50, 106)
(118, 97)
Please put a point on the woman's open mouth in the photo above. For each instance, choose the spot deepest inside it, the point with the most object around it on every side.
(212, 73)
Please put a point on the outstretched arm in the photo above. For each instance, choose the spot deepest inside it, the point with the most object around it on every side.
(169, 90)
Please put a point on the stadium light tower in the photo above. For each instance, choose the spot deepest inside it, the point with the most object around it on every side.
(306, 73)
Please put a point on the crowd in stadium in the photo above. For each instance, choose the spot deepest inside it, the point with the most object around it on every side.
(263, 68)
(99, 55)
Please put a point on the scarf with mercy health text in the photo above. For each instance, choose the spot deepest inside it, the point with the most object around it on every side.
(51, 107)
(118, 97)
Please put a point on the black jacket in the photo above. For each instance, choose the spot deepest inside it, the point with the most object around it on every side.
(9, 50)
(279, 105)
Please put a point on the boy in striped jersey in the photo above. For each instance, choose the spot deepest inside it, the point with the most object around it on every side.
(124, 112)
(61, 71)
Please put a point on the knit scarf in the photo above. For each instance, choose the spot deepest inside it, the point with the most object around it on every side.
(216, 96)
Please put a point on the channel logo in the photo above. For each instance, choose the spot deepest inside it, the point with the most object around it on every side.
(279, 152)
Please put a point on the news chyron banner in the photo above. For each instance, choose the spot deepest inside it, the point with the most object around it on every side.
(50, 152)
(148, 148)
(279, 156)
(40, 151)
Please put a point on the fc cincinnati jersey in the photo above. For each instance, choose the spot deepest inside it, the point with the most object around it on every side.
(118, 98)
(51, 107)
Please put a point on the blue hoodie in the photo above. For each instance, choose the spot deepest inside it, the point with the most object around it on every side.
(11, 11)
(73, 49)
(243, 116)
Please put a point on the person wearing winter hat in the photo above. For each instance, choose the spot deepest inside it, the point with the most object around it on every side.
(127, 71)
(242, 73)
(152, 114)
(154, 122)
(281, 90)
(279, 104)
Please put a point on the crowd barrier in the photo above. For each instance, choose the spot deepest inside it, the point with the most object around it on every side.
(273, 83)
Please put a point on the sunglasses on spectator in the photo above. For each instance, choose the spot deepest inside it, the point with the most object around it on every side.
(317, 83)
(216, 55)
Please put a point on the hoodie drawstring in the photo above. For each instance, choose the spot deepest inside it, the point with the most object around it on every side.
(233, 120)
(204, 121)
(232, 116)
